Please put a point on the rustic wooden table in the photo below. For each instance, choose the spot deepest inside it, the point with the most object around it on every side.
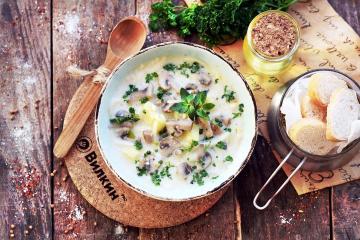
(38, 40)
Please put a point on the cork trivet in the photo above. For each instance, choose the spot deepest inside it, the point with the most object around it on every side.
(104, 191)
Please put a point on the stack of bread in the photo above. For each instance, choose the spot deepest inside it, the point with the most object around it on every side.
(328, 111)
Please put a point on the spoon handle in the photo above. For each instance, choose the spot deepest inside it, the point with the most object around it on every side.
(77, 121)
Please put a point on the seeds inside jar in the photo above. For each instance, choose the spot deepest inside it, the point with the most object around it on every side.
(274, 35)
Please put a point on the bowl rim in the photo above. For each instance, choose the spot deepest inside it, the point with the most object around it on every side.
(220, 186)
(285, 136)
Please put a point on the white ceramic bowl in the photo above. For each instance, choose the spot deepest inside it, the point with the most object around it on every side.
(121, 167)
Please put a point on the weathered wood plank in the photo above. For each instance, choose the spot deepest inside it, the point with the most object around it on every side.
(80, 32)
(346, 211)
(349, 10)
(289, 216)
(346, 198)
(218, 223)
(25, 119)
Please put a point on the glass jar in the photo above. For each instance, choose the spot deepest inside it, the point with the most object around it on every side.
(265, 64)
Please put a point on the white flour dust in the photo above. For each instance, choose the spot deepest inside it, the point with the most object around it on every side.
(63, 196)
(29, 80)
(78, 213)
(285, 220)
(119, 230)
(71, 23)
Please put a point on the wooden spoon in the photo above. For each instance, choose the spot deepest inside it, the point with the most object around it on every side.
(126, 39)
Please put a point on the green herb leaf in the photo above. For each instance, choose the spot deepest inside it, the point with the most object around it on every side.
(198, 177)
(180, 107)
(227, 129)
(132, 117)
(144, 100)
(155, 178)
(191, 147)
(193, 105)
(229, 95)
(160, 93)
(218, 122)
(201, 113)
(151, 76)
(165, 171)
(132, 88)
(141, 171)
(228, 158)
(170, 67)
(241, 110)
(200, 98)
(195, 67)
(138, 145)
(184, 93)
(147, 153)
(208, 106)
(221, 145)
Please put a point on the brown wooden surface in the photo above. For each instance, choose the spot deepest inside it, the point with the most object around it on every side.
(38, 39)
(25, 119)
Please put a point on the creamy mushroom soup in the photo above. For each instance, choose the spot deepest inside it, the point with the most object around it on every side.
(176, 122)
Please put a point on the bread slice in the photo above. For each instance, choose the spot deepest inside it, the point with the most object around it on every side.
(343, 109)
(311, 110)
(321, 85)
(309, 134)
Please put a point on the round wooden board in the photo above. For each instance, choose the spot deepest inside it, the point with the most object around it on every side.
(108, 194)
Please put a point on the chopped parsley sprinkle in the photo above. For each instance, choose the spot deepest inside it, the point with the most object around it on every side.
(240, 112)
(138, 145)
(215, 177)
(192, 145)
(216, 80)
(151, 76)
(141, 171)
(228, 158)
(155, 178)
(198, 177)
(147, 153)
(165, 171)
(184, 68)
(160, 93)
(218, 122)
(132, 88)
(221, 145)
(227, 129)
(170, 67)
(144, 100)
(229, 95)
(194, 67)
(132, 117)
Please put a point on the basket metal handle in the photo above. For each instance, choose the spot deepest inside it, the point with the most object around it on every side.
(272, 176)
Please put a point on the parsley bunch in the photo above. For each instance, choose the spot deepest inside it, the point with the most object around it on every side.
(216, 21)
(194, 105)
